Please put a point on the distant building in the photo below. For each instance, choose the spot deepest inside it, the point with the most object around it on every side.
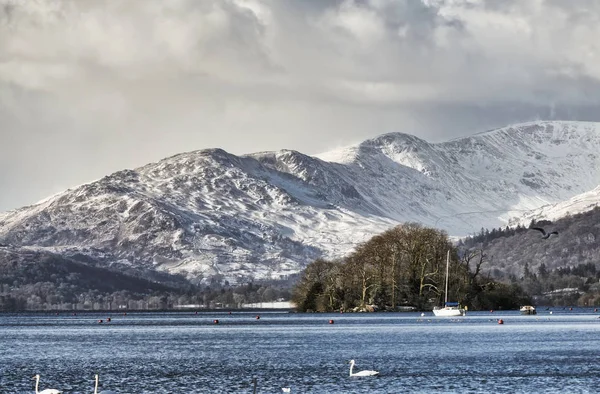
(190, 306)
(270, 305)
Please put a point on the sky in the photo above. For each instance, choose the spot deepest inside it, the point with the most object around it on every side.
(91, 87)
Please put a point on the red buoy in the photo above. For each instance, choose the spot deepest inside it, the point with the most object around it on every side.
(491, 311)
(108, 319)
(257, 317)
(100, 321)
(500, 321)
(330, 321)
(216, 321)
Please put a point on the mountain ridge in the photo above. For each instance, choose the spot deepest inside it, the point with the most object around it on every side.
(208, 213)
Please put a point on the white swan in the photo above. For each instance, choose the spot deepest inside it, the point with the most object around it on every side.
(361, 373)
(47, 391)
(103, 391)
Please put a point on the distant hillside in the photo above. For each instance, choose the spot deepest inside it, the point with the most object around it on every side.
(22, 267)
(34, 280)
(510, 251)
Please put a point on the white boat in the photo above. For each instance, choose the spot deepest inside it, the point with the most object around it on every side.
(449, 308)
(528, 310)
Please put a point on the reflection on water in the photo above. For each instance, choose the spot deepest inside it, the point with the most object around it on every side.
(188, 353)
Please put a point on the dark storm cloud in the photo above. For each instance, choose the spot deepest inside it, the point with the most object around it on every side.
(89, 87)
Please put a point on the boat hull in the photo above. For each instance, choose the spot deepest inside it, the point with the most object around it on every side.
(528, 310)
(449, 312)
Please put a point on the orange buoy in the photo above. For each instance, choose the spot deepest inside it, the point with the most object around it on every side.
(331, 321)
(500, 321)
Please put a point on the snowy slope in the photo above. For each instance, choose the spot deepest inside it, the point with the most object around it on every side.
(580, 203)
(208, 212)
(483, 180)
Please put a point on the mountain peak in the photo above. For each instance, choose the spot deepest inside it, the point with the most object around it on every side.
(395, 138)
(390, 145)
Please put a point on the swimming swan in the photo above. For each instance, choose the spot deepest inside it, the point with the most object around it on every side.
(361, 373)
(47, 391)
(103, 391)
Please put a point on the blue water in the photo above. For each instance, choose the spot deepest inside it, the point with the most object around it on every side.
(187, 353)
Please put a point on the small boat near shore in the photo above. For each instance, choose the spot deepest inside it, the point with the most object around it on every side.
(450, 309)
(528, 310)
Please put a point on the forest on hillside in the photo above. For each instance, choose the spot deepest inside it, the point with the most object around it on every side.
(563, 269)
(37, 281)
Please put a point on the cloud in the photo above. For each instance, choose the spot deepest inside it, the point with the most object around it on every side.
(89, 87)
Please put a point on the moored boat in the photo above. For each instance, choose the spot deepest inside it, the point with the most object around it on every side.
(449, 308)
(528, 310)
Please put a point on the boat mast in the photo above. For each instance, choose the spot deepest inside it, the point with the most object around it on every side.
(447, 265)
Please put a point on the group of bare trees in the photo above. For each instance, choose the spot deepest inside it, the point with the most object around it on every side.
(404, 266)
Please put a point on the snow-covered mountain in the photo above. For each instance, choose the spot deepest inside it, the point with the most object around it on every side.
(208, 212)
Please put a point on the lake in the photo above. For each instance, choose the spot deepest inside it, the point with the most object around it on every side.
(184, 352)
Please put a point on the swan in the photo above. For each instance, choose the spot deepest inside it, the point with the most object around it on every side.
(103, 391)
(362, 373)
(47, 391)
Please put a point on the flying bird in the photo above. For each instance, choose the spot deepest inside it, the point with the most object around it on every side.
(545, 235)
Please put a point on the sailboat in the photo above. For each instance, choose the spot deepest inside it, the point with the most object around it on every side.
(450, 308)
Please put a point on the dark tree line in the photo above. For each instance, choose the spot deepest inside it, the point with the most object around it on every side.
(563, 286)
(48, 296)
(486, 236)
(43, 281)
(404, 266)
